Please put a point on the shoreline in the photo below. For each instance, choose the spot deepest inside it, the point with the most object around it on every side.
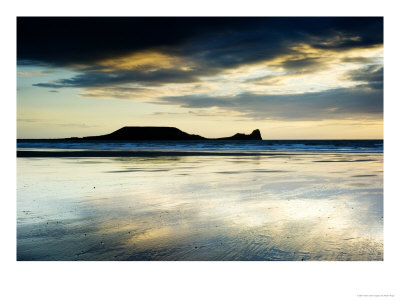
(114, 153)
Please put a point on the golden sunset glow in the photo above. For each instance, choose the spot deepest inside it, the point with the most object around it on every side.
(147, 60)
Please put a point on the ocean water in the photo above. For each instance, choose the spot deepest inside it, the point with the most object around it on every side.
(362, 146)
(286, 200)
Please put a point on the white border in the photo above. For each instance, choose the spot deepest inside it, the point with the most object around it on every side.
(198, 280)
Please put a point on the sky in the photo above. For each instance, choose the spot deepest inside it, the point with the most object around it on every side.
(292, 78)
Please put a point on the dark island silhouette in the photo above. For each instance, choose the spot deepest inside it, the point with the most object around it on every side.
(141, 133)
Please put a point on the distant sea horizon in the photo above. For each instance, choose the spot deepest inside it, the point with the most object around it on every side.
(252, 147)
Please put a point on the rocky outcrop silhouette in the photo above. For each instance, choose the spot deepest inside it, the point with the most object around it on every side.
(254, 136)
(138, 133)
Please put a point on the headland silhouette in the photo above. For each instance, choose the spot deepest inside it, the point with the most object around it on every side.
(142, 133)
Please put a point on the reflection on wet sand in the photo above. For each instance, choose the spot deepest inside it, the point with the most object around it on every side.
(201, 208)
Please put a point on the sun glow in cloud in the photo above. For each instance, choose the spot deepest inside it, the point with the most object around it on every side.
(264, 77)
(145, 61)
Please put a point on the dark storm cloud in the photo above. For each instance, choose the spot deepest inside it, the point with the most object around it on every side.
(330, 104)
(221, 42)
(64, 41)
(211, 44)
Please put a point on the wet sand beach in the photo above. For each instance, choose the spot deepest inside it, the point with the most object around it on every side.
(314, 206)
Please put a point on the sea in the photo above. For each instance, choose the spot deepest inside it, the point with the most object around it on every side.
(263, 146)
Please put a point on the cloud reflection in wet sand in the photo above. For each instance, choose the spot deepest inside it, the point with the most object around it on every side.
(201, 208)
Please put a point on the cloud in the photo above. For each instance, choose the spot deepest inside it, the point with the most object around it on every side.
(359, 60)
(331, 104)
(104, 79)
(372, 76)
(33, 73)
(305, 64)
(269, 80)
(52, 123)
(28, 120)
(199, 113)
(198, 63)
(77, 125)
(218, 42)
